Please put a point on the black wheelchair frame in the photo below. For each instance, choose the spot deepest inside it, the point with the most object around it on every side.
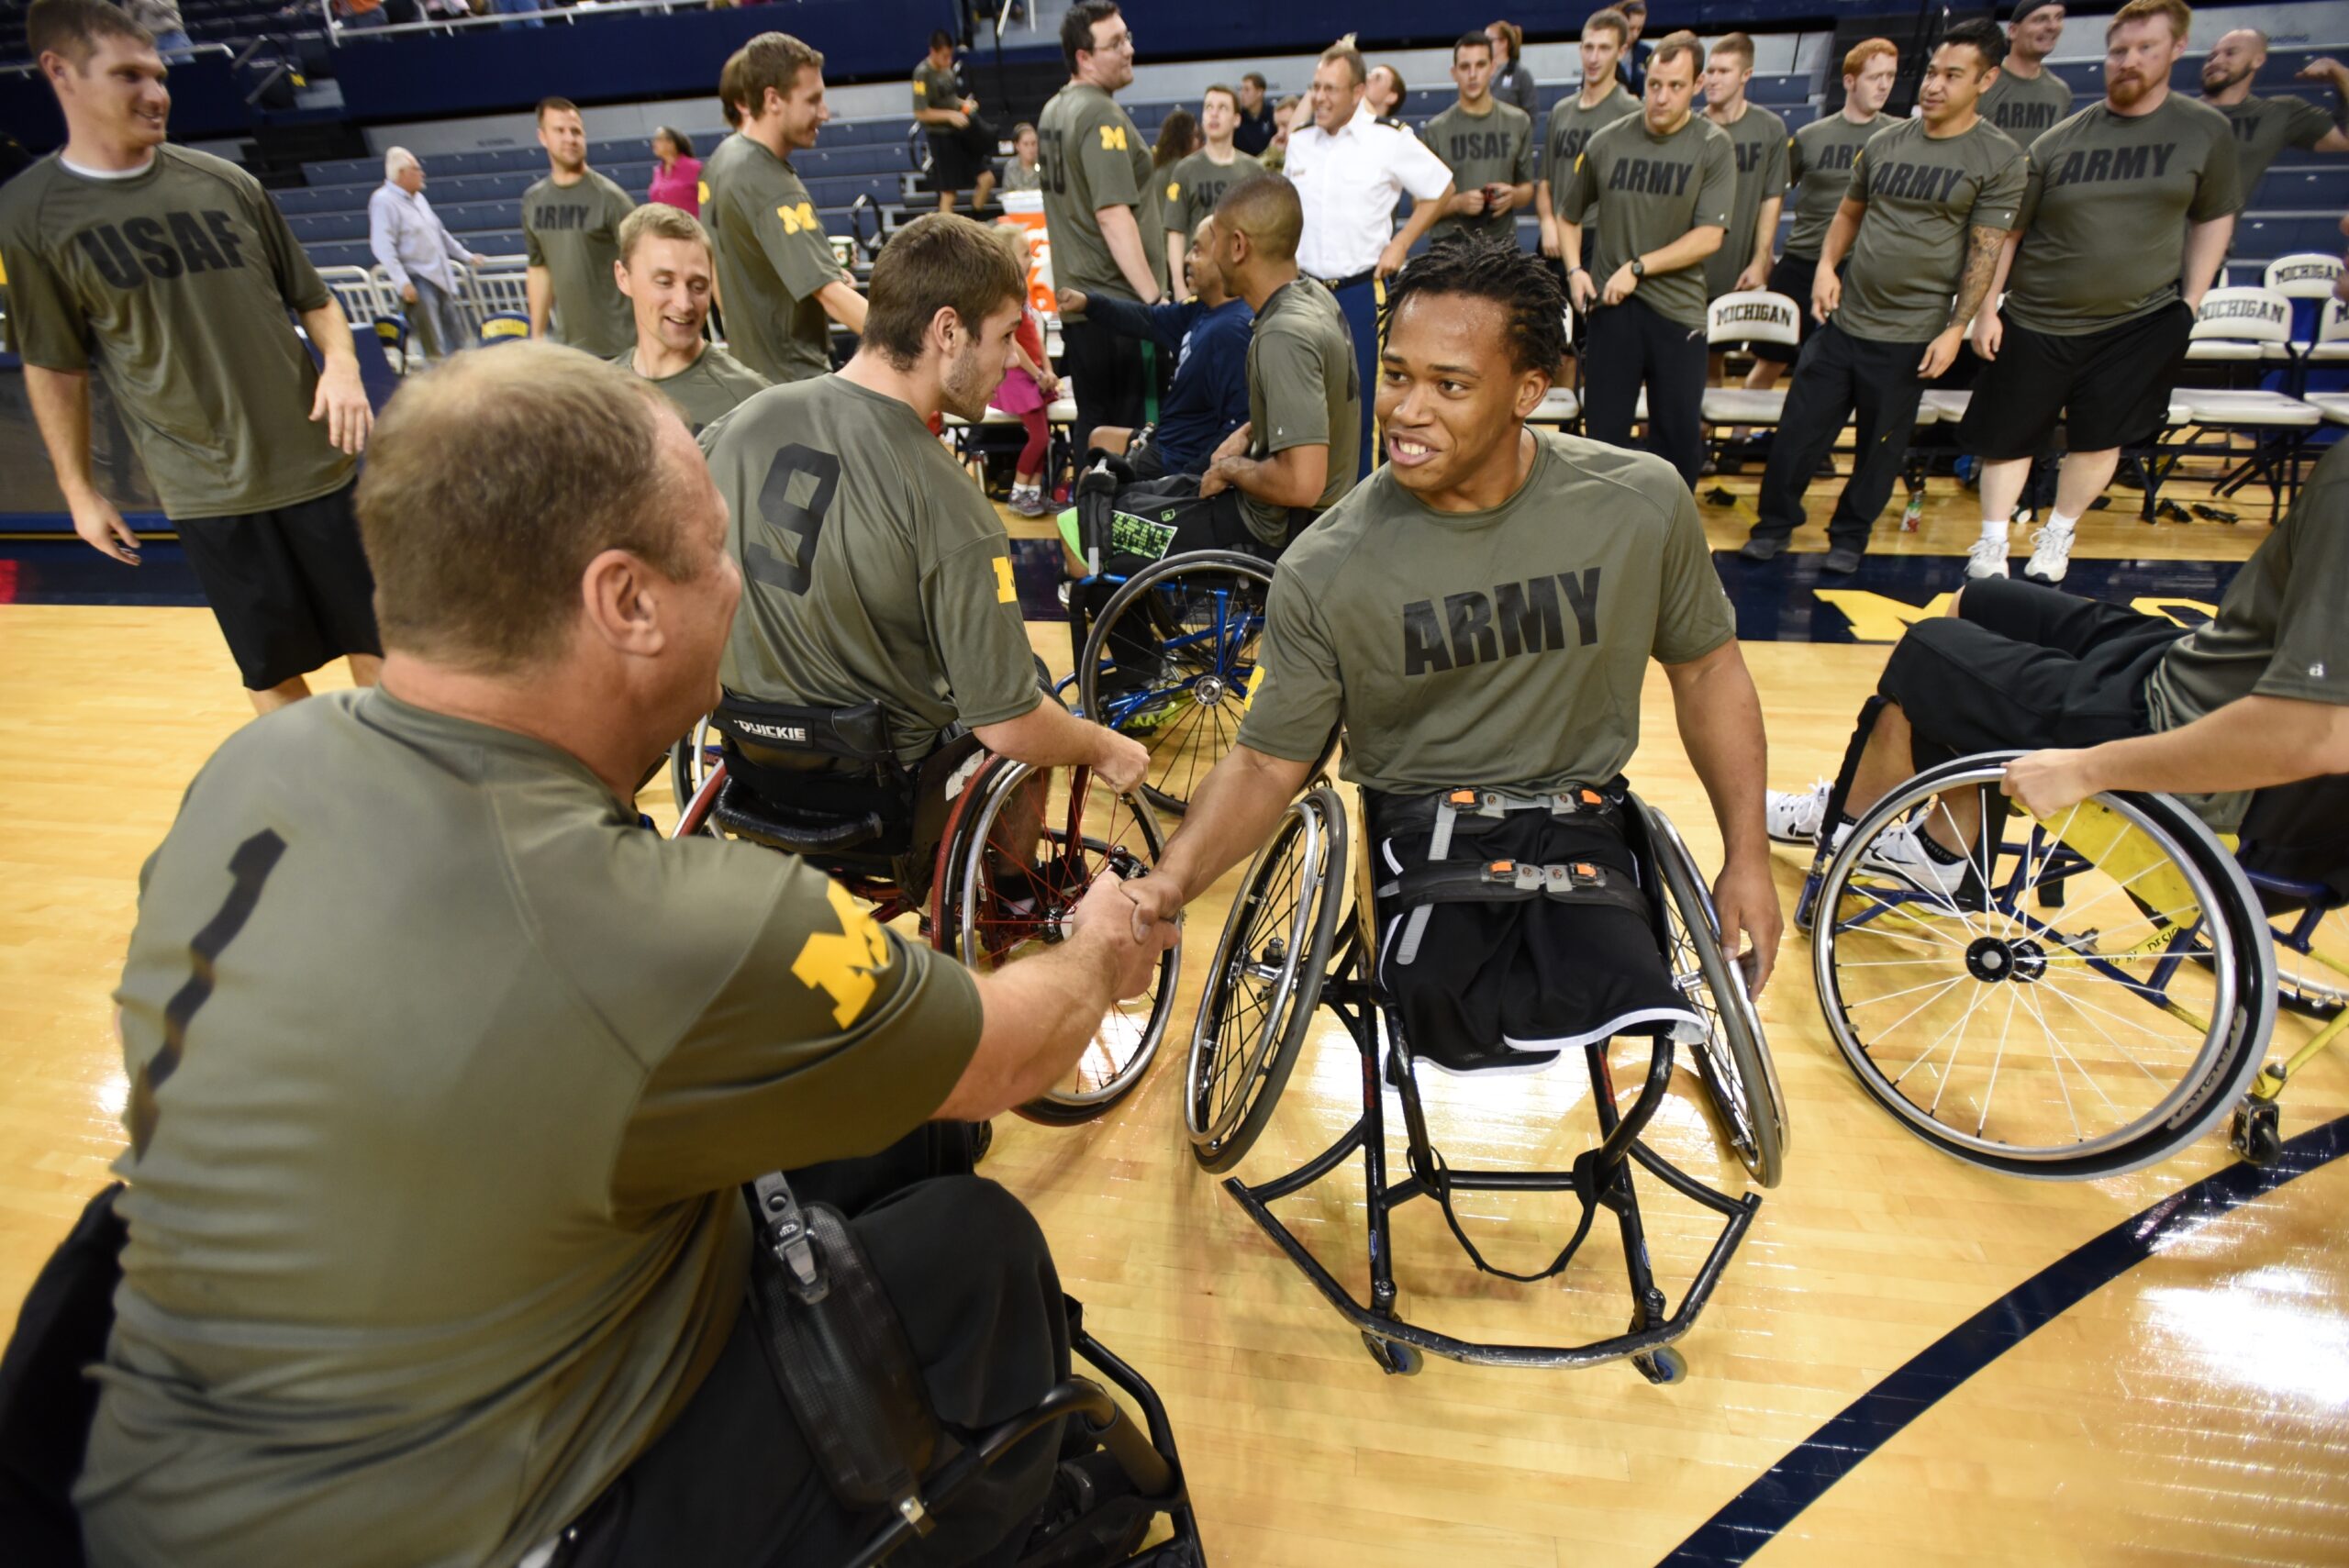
(1601, 1177)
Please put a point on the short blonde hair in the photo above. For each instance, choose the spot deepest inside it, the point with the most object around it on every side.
(659, 220)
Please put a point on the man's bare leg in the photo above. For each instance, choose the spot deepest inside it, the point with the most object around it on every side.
(365, 668)
(984, 189)
(2083, 477)
(946, 201)
(285, 694)
(1764, 375)
(1112, 438)
(2002, 484)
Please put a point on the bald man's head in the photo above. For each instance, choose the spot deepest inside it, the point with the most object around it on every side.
(1264, 208)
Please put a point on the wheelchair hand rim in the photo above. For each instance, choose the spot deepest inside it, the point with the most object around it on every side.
(1205, 1032)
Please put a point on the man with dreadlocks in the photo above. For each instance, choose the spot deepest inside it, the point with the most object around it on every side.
(1480, 612)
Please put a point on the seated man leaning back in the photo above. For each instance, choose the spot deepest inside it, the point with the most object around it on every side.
(873, 567)
(1480, 611)
(436, 1249)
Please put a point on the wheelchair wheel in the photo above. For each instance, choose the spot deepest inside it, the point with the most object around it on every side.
(2081, 1036)
(690, 760)
(1023, 847)
(1266, 981)
(1733, 1058)
(1169, 659)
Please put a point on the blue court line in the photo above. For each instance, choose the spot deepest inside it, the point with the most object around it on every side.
(1751, 1519)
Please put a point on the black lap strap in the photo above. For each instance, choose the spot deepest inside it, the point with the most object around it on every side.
(839, 1350)
(1510, 882)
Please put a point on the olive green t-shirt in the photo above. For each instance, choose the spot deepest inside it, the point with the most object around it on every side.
(1193, 187)
(1571, 128)
(1650, 190)
(2104, 217)
(573, 231)
(1818, 168)
(937, 89)
(1093, 157)
(176, 283)
(2263, 128)
(2025, 109)
(1492, 149)
(1504, 648)
(445, 1072)
(873, 567)
(1304, 389)
(1923, 193)
(1759, 139)
(2279, 631)
(773, 260)
(705, 391)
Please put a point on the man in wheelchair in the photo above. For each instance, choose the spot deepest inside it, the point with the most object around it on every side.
(2104, 698)
(1478, 616)
(1296, 454)
(880, 620)
(446, 1075)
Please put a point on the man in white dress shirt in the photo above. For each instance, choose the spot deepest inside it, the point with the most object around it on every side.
(1349, 170)
(418, 254)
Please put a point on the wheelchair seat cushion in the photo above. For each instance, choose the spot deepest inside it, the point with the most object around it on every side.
(1508, 984)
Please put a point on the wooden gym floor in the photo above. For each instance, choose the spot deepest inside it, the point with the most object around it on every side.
(2195, 1409)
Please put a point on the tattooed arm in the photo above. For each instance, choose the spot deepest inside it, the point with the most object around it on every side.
(1983, 247)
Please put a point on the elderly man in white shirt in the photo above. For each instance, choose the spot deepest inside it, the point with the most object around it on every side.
(418, 254)
(1349, 170)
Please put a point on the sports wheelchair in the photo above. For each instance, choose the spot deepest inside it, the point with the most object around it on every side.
(2082, 996)
(1274, 966)
(991, 855)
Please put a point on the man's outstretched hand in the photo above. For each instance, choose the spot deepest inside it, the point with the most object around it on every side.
(1105, 915)
(1157, 903)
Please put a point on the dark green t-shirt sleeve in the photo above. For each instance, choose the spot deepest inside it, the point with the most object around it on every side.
(1693, 617)
(1776, 173)
(2305, 125)
(46, 327)
(794, 241)
(833, 1038)
(1294, 699)
(1521, 169)
(2033, 180)
(1998, 202)
(1858, 189)
(972, 607)
(1105, 148)
(1296, 396)
(1716, 186)
(533, 254)
(298, 283)
(1581, 188)
(2219, 191)
(2312, 658)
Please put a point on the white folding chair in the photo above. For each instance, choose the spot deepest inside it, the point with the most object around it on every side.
(2237, 325)
(2305, 274)
(1749, 315)
(1561, 405)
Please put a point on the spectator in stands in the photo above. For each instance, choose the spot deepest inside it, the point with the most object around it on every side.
(1383, 93)
(778, 278)
(522, 8)
(961, 145)
(1350, 171)
(357, 16)
(1208, 335)
(571, 225)
(2100, 284)
(676, 172)
(248, 446)
(2026, 97)
(1285, 118)
(668, 274)
(161, 18)
(1512, 82)
(1758, 137)
(1021, 171)
(2264, 126)
(1631, 65)
(418, 254)
(1178, 138)
(1028, 387)
(1488, 146)
(1254, 132)
(1102, 210)
(1198, 182)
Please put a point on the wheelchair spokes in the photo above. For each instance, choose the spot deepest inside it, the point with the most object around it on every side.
(691, 761)
(1031, 843)
(2059, 999)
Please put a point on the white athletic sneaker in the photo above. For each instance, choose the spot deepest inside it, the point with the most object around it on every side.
(2051, 555)
(1792, 816)
(1988, 558)
(1898, 851)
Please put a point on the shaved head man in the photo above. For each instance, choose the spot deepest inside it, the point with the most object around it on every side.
(2264, 126)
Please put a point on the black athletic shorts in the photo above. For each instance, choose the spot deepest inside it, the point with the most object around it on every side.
(290, 586)
(959, 154)
(2112, 388)
(1535, 977)
(1792, 276)
(2023, 666)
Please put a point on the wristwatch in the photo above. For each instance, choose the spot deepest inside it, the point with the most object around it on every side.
(1639, 268)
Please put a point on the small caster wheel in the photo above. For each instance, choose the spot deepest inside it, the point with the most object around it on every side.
(1662, 1366)
(2254, 1134)
(981, 1140)
(1393, 1358)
